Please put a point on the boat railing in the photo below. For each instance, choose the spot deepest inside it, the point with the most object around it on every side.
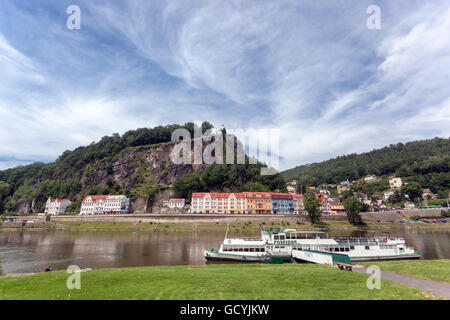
(250, 239)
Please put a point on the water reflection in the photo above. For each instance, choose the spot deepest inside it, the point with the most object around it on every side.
(33, 251)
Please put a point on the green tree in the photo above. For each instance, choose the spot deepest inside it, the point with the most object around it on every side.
(4, 191)
(353, 207)
(312, 206)
(256, 187)
(413, 190)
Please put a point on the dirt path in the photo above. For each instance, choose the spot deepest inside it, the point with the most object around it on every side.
(440, 288)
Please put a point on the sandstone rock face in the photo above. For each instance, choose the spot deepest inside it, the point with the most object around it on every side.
(147, 171)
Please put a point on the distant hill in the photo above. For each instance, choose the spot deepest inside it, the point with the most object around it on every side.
(425, 161)
(136, 164)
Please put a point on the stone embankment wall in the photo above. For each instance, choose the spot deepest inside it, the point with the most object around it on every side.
(399, 214)
(176, 215)
(181, 218)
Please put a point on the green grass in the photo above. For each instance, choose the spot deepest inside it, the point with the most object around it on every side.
(435, 270)
(221, 282)
(144, 225)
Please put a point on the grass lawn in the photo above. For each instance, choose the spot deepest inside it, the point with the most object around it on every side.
(221, 282)
(435, 270)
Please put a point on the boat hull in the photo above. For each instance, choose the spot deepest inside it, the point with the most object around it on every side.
(219, 256)
(385, 258)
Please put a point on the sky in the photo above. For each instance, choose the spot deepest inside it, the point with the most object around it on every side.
(312, 69)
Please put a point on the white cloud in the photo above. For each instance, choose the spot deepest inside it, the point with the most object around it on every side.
(316, 72)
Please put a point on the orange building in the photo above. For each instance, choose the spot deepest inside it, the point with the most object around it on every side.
(258, 203)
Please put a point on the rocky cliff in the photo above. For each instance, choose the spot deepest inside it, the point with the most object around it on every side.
(144, 173)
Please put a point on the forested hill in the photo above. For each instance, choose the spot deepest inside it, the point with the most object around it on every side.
(428, 158)
(137, 164)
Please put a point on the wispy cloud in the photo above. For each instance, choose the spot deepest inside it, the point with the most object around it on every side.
(310, 68)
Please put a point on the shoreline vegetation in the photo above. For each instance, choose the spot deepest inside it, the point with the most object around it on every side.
(214, 281)
(241, 226)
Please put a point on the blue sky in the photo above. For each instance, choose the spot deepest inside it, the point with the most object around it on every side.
(310, 68)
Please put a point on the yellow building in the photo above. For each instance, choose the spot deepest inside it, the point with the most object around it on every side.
(258, 202)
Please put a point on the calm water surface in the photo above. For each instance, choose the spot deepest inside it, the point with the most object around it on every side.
(33, 251)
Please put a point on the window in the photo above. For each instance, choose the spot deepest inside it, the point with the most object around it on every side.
(367, 247)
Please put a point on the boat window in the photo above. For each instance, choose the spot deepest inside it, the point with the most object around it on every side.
(288, 236)
(282, 237)
(347, 249)
(252, 249)
(276, 237)
(262, 249)
(246, 249)
(352, 247)
(241, 249)
(367, 247)
(341, 249)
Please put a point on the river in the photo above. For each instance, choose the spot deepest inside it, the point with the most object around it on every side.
(33, 251)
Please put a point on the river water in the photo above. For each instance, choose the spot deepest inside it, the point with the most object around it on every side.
(33, 251)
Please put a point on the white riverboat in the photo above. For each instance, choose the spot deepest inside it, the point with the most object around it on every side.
(275, 242)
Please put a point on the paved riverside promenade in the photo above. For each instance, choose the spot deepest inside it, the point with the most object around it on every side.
(440, 288)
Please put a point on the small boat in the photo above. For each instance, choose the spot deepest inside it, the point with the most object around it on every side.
(276, 245)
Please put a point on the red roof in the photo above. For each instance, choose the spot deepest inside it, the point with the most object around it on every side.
(176, 200)
(247, 195)
(97, 197)
(217, 194)
(281, 195)
(58, 200)
(257, 194)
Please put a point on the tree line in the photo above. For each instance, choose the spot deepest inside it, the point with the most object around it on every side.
(425, 162)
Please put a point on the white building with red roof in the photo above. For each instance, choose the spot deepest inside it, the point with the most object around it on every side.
(176, 203)
(215, 202)
(56, 206)
(104, 204)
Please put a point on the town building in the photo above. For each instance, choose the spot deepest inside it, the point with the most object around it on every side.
(215, 202)
(56, 206)
(427, 193)
(299, 206)
(291, 189)
(245, 203)
(325, 206)
(395, 183)
(341, 188)
(176, 203)
(260, 202)
(370, 178)
(282, 203)
(409, 205)
(388, 194)
(336, 207)
(104, 204)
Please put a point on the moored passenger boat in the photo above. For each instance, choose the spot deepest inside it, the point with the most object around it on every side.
(275, 242)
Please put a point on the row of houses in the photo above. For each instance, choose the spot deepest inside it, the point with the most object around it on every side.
(91, 205)
(206, 202)
(246, 203)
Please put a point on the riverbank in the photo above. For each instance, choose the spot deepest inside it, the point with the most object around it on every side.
(221, 282)
(236, 226)
(434, 270)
